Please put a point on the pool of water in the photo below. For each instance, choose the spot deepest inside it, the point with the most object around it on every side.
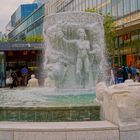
(43, 97)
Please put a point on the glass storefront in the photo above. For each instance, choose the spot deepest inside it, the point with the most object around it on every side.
(129, 48)
(16, 60)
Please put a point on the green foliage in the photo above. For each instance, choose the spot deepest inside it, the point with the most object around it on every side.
(91, 10)
(135, 43)
(11, 40)
(27, 39)
(34, 39)
(110, 31)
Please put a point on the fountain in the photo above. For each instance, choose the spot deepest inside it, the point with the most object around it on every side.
(75, 50)
(74, 63)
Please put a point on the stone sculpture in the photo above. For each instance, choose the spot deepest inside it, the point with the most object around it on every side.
(74, 50)
(82, 58)
(120, 103)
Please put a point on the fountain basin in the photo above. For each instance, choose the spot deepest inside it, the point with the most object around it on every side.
(36, 106)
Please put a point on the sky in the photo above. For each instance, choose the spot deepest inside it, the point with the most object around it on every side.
(7, 8)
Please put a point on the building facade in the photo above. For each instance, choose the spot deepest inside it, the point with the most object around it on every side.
(21, 13)
(40, 2)
(126, 14)
(31, 25)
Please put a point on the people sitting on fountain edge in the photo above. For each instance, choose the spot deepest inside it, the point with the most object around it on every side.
(33, 82)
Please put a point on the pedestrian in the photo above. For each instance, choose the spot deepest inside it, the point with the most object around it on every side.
(9, 81)
(15, 80)
(24, 73)
(125, 73)
(120, 75)
(33, 82)
(133, 71)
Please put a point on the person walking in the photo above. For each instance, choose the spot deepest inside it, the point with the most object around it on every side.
(120, 75)
(125, 73)
(15, 80)
(24, 73)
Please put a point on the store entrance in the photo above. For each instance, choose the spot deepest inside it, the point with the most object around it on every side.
(16, 60)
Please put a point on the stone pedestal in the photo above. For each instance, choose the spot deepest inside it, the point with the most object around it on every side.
(121, 106)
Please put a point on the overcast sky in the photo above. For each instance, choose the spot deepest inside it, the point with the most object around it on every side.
(7, 7)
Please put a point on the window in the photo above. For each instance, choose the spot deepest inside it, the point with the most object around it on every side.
(104, 10)
(120, 8)
(134, 35)
(126, 7)
(109, 9)
(114, 8)
(138, 4)
(133, 4)
(120, 39)
(99, 2)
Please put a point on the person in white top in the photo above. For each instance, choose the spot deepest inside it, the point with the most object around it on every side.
(33, 82)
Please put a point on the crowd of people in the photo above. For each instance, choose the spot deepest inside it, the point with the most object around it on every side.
(17, 77)
(117, 75)
(122, 73)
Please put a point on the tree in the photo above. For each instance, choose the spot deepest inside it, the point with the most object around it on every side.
(110, 33)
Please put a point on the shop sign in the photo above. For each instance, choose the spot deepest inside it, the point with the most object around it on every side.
(21, 45)
(27, 46)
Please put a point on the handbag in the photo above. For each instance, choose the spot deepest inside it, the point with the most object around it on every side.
(9, 80)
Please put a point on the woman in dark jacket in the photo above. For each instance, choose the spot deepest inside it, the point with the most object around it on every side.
(15, 80)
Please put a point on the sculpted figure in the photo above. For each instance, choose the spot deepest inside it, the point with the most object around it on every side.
(49, 83)
(82, 62)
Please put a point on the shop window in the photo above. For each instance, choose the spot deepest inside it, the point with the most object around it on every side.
(134, 35)
(121, 41)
